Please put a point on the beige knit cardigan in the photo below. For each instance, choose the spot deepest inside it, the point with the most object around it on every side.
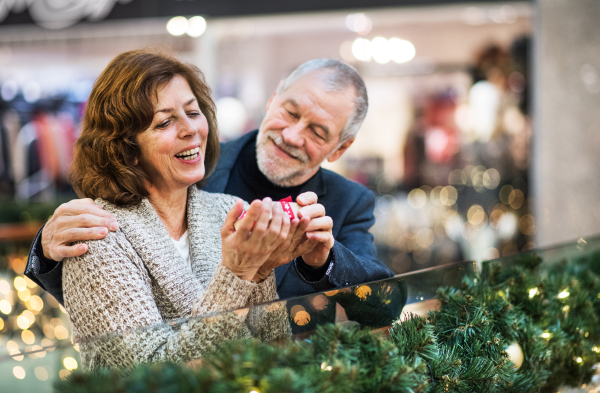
(131, 283)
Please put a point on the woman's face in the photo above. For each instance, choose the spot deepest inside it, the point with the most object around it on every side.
(174, 147)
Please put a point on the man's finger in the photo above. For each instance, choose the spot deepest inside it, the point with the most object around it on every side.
(312, 211)
(300, 231)
(83, 201)
(80, 234)
(84, 221)
(320, 237)
(305, 247)
(307, 198)
(71, 251)
(320, 224)
(71, 209)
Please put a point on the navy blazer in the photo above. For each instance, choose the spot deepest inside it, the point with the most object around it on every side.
(350, 206)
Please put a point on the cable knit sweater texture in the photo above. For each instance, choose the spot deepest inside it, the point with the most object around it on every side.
(123, 291)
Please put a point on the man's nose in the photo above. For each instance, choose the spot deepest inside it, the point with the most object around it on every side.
(292, 135)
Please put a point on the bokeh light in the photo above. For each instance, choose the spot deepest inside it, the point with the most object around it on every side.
(36, 303)
(516, 199)
(5, 307)
(505, 191)
(177, 25)
(457, 177)
(23, 322)
(527, 225)
(70, 363)
(20, 283)
(401, 263)
(28, 337)
(361, 49)
(491, 178)
(4, 287)
(41, 373)
(19, 372)
(401, 51)
(61, 332)
(380, 50)
(363, 291)
(359, 23)
(476, 215)
(448, 195)
(301, 318)
(417, 198)
(196, 26)
(319, 302)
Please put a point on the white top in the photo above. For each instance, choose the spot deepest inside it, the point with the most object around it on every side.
(183, 246)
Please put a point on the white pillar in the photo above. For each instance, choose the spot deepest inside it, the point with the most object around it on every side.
(566, 149)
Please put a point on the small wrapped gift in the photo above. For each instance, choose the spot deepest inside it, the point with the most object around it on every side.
(289, 207)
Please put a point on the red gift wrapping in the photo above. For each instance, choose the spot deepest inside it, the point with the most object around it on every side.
(289, 207)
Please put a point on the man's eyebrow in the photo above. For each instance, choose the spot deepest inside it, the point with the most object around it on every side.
(294, 103)
(167, 110)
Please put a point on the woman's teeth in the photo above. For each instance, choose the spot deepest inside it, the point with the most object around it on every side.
(189, 154)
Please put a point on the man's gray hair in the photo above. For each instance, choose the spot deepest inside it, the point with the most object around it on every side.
(342, 77)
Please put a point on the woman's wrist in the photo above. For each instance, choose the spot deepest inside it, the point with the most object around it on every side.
(260, 276)
(242, 274)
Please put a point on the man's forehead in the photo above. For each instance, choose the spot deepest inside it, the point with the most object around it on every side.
(313, 89)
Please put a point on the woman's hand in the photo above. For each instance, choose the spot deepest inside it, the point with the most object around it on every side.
(247, 248)
(294, 245)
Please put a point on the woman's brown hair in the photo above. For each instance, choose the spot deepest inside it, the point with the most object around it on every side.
(119, 108)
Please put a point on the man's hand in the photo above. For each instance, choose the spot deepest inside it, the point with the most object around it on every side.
(319, 229)
(79, 219)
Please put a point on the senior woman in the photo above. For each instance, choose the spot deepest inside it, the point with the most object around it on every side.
(149, 137)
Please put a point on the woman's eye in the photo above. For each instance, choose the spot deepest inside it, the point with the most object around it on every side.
(194, 114)
(164, 124)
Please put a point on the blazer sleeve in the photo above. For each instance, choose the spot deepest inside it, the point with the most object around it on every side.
(354, 254)
(51, 280)
(114, 316)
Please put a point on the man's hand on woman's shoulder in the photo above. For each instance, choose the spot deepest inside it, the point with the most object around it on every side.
(79, 219)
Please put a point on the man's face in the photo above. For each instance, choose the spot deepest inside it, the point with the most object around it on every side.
(301, 129)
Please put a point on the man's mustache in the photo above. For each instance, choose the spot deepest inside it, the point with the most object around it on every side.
(292, 151)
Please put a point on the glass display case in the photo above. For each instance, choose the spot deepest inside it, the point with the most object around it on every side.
(35, 340)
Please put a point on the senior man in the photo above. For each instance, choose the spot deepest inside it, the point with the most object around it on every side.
(313, 116)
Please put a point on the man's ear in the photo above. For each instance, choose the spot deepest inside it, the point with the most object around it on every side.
(273, 95)
(340, 150)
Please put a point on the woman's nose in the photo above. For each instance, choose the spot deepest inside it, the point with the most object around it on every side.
(187, 128)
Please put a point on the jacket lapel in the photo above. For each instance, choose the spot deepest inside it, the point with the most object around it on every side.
(229, 154)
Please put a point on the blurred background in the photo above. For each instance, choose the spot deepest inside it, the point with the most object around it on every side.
(482, 137)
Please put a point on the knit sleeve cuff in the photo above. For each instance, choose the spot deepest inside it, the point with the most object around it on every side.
(225, 291)
(264, 291)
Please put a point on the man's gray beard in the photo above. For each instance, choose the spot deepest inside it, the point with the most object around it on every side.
(278, 171)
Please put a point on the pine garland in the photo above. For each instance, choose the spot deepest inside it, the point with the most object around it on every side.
(551, 313)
